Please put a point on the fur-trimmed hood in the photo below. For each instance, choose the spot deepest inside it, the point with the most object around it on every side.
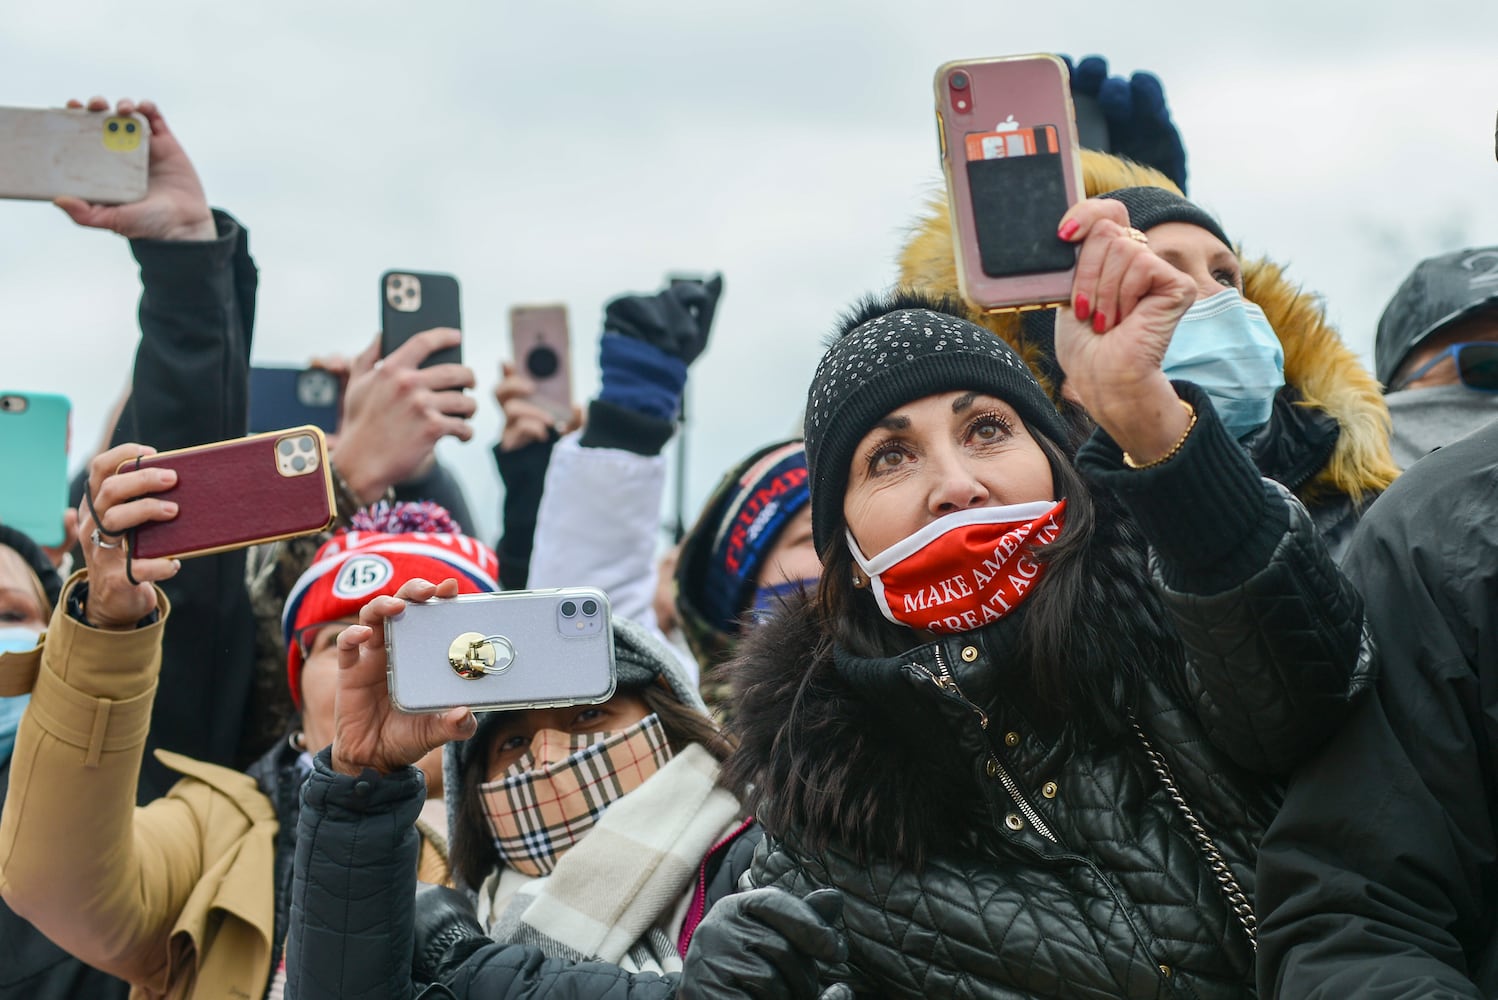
(1318, 365)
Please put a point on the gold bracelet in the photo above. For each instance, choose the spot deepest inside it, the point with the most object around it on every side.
(1190, 423)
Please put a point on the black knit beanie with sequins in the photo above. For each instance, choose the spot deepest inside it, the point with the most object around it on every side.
(888, 352)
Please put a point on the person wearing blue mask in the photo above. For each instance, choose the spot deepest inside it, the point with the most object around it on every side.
(1283, 382)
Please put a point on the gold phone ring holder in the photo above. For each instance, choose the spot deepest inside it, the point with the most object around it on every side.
(472, 655)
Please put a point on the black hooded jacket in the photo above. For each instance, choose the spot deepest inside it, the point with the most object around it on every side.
(987, 846)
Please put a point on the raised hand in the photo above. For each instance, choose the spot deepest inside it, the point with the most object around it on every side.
(1126, 302)
(395, 412)
(525, 421)
(121, 502)
(368, 731)
(174, 207)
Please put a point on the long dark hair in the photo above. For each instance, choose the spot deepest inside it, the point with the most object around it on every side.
(1054, 643)
(471, 851)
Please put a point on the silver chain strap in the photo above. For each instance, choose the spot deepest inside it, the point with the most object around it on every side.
(1237, 899)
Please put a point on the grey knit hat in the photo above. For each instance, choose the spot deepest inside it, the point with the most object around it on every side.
(1150, 206)
(890, 352)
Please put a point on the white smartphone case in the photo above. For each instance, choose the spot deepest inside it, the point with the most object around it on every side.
(93, 155)
(532, 654)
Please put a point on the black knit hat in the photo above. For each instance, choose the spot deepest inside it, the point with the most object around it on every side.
(888, 353)
(1150, 206)
(36, 559)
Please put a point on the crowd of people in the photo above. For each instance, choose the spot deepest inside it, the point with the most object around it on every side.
(1138, 648)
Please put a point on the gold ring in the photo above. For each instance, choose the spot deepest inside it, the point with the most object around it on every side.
(1137, 236)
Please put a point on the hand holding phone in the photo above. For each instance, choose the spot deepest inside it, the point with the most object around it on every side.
(174, 207)
(1009, 153)
(368, 731)
(120, 591)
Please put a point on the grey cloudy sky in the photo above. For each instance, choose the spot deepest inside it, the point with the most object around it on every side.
(570, 151)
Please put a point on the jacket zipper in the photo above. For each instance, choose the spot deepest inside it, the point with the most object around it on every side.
(947, 683)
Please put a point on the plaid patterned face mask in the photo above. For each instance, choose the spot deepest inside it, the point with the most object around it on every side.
(554, 794)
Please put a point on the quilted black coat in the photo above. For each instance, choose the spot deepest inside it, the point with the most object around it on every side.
(988, 846)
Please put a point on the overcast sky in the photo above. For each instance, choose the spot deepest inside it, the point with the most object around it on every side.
(571, 151)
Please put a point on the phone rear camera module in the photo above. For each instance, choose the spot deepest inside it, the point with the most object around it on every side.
(13, 404)
(959, 81)
(590, 608)
(542, 362)
(569, 608)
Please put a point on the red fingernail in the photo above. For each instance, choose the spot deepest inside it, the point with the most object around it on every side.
(1099, 322)
(1068, 229)
(1083, 307)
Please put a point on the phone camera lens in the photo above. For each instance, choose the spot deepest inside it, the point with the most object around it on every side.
(569, 608)
(542, 362)
(286, 447)
(299, 464)
(114, 126)
(129, 126)
(590, 608)
(304, 443)
(959, 81)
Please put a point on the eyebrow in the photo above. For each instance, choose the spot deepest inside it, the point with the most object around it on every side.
(895, 423)
(963, 402)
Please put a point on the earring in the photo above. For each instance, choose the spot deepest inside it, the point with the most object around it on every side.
(859, 580)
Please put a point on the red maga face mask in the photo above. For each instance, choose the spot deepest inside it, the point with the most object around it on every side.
(965, 569)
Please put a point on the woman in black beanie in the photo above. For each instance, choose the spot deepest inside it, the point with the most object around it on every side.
(1030, 725)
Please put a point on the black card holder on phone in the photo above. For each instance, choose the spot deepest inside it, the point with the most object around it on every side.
(1018, 203)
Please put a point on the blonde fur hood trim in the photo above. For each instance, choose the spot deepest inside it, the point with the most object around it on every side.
(1317, 362)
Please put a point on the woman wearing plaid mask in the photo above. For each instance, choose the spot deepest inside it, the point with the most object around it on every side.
(587, 842)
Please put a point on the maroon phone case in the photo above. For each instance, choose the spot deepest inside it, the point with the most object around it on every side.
(231, 494)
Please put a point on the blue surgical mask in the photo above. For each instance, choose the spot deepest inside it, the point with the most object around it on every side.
(1226, 346)
(13, 639)
(770, 601)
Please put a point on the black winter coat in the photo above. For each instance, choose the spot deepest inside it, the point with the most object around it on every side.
(987, 846)
(353, 922)
(1380, 875)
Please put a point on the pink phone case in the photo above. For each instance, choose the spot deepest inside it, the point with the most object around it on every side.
(1003, 95)
(543, 353)
(232, 494)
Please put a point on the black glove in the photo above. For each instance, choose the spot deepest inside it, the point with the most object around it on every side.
(765, 943)
(444, 918)
(677, 320)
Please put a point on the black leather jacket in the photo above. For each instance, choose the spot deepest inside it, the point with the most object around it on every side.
(988, 846)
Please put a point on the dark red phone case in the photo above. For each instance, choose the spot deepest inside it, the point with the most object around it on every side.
(232, 494)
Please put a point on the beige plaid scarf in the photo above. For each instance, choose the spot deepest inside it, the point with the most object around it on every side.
(621, 893)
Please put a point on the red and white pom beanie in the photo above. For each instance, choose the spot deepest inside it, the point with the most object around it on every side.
(385, 547)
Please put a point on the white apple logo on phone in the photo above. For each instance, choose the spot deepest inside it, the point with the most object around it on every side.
(1007, 125)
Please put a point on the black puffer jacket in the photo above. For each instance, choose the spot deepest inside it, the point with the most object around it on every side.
(986, 846)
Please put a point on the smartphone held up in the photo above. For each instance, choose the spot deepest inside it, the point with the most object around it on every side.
(519, 649)
(237, 493)
(49, 153)
(1009, 152)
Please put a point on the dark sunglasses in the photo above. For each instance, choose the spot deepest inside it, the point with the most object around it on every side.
(1476, 365)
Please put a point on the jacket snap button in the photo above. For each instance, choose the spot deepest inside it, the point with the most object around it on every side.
(361, 788)
(1013, 822)
(969, 654)
(1011, 739)
(1048, 789)
(1165, 971)
(993, 768)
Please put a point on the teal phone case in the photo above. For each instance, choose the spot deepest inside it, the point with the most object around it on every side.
(34, 455)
